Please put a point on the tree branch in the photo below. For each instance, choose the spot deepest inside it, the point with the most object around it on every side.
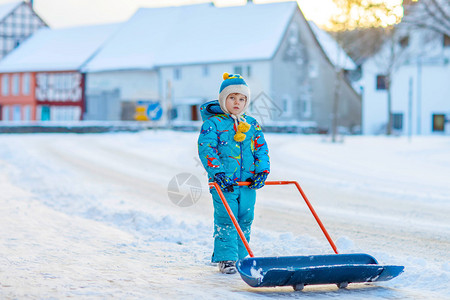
(441, 10)
(425, 15)
(427, 26)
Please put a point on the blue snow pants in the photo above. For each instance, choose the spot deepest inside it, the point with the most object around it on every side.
(227, 243)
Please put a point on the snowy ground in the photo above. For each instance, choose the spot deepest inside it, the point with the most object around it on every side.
(89, 215)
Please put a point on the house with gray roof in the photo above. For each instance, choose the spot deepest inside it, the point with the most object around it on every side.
(163, 63)
(172, 59)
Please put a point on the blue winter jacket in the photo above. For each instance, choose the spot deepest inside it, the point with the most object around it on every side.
(219, 152)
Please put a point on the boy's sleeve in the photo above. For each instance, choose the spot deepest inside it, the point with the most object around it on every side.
(207, 149)
(262, 161)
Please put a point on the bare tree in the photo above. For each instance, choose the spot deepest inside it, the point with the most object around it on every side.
(392, 56)
(365, 13)
(359, 15)
(429, 14)
(355, 14)
(361, 43)
(433, 15)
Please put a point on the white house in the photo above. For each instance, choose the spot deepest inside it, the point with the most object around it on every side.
(420, 84)
(175, 57)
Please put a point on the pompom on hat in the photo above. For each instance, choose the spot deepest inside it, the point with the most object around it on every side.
(233, 83)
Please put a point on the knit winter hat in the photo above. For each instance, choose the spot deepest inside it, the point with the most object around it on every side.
(233, 83)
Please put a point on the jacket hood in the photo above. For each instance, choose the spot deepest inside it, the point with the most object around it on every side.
(210, 109)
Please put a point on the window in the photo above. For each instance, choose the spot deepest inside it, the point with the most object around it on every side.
(382, 83)
(238, 70)
(313, 69)
(17, 114)
(27, 113)
(26, 84)
(5, 85)
(397, 121)
(438, 122)
(446, 40)
(306, 106)
(15, 84)
(249, 71)
(404, 42)
(59, 81)
(286, 105)
(5, 113)
(205, 71)
(177, 73)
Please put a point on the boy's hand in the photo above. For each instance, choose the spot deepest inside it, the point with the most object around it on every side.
(258, 180)
(225, 182)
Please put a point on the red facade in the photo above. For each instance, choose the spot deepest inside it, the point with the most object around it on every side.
(42, 96)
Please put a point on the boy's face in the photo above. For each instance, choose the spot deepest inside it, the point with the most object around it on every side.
(235, 103)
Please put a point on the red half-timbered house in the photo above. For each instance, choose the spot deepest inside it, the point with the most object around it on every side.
(41, 79)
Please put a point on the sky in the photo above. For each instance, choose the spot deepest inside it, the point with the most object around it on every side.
(66, 13)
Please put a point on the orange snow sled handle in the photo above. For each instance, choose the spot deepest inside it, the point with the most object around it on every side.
(238, 228)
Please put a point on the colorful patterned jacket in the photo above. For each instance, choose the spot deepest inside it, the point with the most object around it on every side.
(219, 152)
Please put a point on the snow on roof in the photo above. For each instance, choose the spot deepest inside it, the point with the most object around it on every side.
(335, 53)
(57, 49)
(199, 33)
(6, 8)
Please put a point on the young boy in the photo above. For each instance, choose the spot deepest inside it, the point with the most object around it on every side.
(232, 148)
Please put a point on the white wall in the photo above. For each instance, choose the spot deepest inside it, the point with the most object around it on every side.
(194, 83)
(429, 70)
(104, 103)
(435, 95)
(195, 87)
(374, 104)
(133, 85)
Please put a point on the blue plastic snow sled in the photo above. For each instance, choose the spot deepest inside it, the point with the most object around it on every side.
(298, 271)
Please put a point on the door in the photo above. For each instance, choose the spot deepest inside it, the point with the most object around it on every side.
(45, 113)
(194, 113)
(438, 122)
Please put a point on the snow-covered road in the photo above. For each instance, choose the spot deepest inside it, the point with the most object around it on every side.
(90, 215)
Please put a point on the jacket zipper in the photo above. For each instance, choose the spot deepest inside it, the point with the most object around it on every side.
(242, 162)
